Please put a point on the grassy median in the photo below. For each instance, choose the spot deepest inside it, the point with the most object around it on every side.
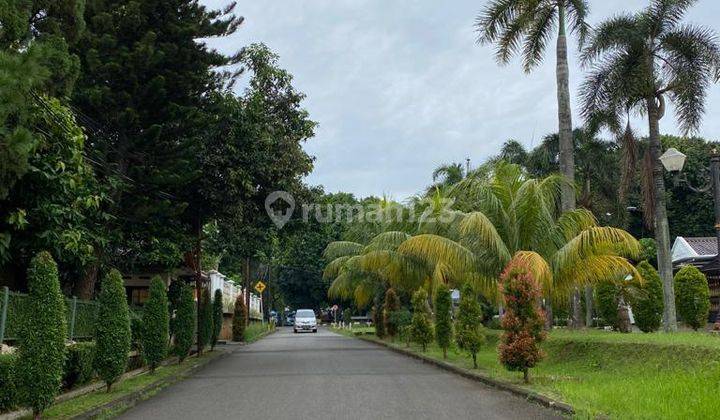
(620, 375)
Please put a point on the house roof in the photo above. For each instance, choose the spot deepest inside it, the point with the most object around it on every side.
(703, 246)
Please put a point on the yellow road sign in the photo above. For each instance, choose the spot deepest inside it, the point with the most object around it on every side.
(260, 286)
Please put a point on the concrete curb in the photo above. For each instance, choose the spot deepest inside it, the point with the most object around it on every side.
(514, 389)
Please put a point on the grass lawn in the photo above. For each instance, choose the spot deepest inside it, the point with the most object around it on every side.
(255, 330)
(630, 376)
(95, 399)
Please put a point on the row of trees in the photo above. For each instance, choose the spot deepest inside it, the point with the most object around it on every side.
(636, 62)
(42, 350)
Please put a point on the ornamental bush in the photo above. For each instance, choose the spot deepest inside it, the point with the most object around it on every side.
(41, 353)
(378, 317)
(347, 315)
(392, 304)
(606, 293)
(647, 304)
(468, 327)
(79, 369)
(155, 332)
(238, 323)
(173, 295)
(8, 396)
(443, 318)
(184, 322)
(692, 296)
(523, 322)
(113, 335)
(205, 321)
(402, 318)
(217, 310)
(421, 330)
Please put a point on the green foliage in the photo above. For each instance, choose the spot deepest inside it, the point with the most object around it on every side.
(79, 365)
(378, 317)
(205, 319)
(421, 329)
(113, 336)
(692, 296)
(523, 322)
(217, 318)
(184, 322)
(392, 305)
(606, 293)
(443, 318)
(347, 315)
(155, 333)
(8, 396)
(238, 322)
(42, 336)
(648, 251)
(468, 326)
(647, 305)
(173, 294)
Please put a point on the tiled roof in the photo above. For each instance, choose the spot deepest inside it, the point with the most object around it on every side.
(703, 246)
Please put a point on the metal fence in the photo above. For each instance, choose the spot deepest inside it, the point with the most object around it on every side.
(81, 315)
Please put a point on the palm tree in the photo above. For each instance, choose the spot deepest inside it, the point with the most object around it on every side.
(445, 176)
(637, 61)
(524, 27)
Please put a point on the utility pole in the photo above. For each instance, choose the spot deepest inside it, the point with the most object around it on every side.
(467, 167)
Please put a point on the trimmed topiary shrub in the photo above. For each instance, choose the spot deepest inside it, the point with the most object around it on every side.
(217, 318)
(378, 318)
(155, 325)
(184, 322)
(392, 304)
(468, 327)
(692, 296)
(647, 303)
(347, 315)
(606, 293)
(238, 323)
(79, 365)
(523, 322)
(8, 396)
(421, 330)
(41, 353)
(173, 295)
(402, 318)
(205, 321)
(113, 334)
(443, 318)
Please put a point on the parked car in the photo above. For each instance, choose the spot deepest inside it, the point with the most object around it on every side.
(290, 319)
(305, 320)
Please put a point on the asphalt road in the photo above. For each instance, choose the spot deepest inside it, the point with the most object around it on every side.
(328, 376)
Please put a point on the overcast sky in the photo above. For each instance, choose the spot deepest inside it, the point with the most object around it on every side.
(399, 87)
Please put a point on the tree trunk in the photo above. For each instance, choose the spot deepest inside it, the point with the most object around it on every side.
(588, 306)
(576, 308)
(444, 353)
(85, 289)
(526, 375)
(567, 160)
(198, 284)
(549, 316)
(474, 355)
(662, 230)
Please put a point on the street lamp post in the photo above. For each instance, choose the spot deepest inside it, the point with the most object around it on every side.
(673, 161)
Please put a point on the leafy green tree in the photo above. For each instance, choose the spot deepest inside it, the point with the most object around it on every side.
(421, 329)
(184, 322)
(42, 337)
(155, 324)
(679, 61)
(693, 296)
(524, 27)
(347, 315)
(205, 321)
(392, 305)
(378, 317)
(648, 304)
(468, 327)
(443, 318)
(649, 250)
(607, 302)
(217, 318)
(112, 336)
(522, 321)
(238, 323)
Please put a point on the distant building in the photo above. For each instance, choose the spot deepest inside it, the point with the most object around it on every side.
(702, 253)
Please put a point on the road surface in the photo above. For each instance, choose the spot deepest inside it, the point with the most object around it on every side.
(328, 376)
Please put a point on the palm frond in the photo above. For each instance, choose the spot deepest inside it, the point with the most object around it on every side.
(334, 267)
(436, 249)
(538, 266)
(386, 241)
(341, 248)
(479, 234)
(538, 36)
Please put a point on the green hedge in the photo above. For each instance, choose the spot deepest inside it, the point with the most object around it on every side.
(79, 369)
(85, 316)
(692, 296)
(8, 396)
(155, 325)
(113, 335)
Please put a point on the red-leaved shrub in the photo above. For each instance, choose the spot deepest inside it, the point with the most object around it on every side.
(523, 321)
